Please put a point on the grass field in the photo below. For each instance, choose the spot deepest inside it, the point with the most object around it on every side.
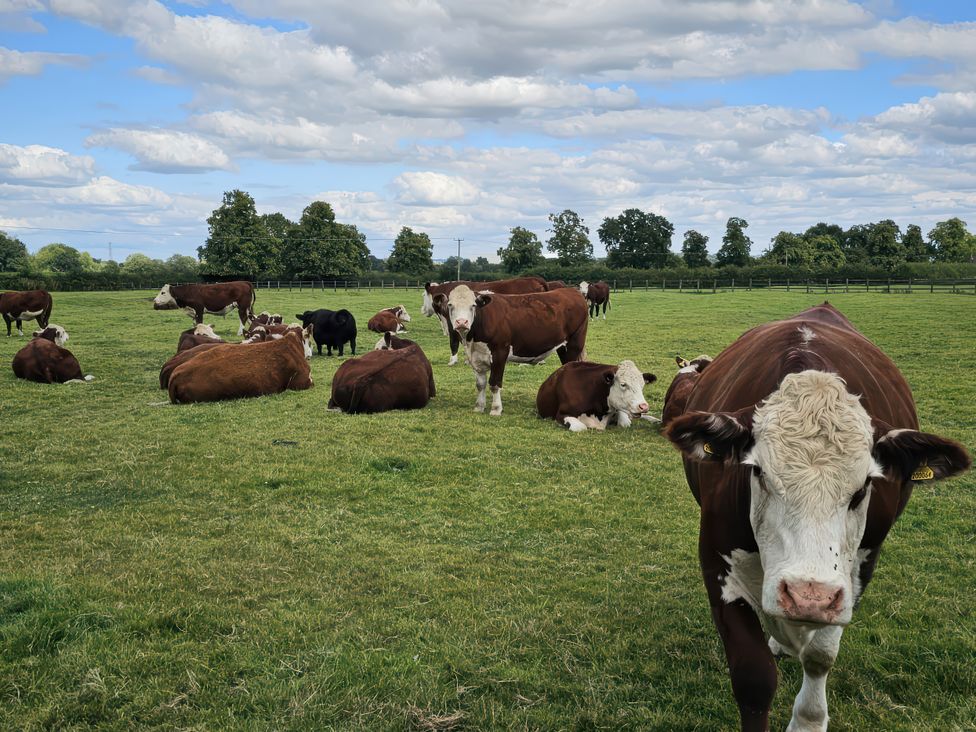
(173, 567)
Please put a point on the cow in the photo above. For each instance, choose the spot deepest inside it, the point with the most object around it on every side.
(596, 294)
(26, 305)
(266, 318)
(397, 375)
(196, 335)
(583, 394)
(555, 285)
(217, 299)
(389, 320)
(331, 328)
(681, 386)
(232, 371)
(519, 328)
(800, 443)
(516, 286)
(45, 360)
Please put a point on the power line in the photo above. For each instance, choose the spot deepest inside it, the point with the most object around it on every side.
(112, 232)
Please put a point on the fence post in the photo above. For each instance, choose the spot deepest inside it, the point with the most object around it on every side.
(931, 285)
(769, 286)
(889, 285)
(714, 286)
(645, 285)
(827, 286)
(664, 285)
(631, 285)
(808, 287)
(679, 285)
(867, 285)
(750, 284)
(787, 284)
(733, 284)
(909, 285)
(847, 284)
(698, 285)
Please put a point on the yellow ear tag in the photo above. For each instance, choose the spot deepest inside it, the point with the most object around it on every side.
(923, 472)
(707, 448)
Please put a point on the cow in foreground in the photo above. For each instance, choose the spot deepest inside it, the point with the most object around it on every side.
(519, 328)
(218, 299)
(16, 307)
(233, 371)
(331, 328)
(596, 294)
(397, 375)
(45, 360)
(198, 334)
(582, 395)
(800, 443)
(515, 286)
(681, 386)
(390, 320)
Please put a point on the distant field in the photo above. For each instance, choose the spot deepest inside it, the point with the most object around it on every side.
(171, 567)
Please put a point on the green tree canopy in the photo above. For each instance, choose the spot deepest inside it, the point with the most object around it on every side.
(319, 246)
(735, 244)
(694, 249)
(636, 238)
(182, 266)
(238, 243)
(855, 243)
(140, 265)
(824, 229)
(570, 238)
(277, 226)
(884, 247)
(59, 257)
(412, 253)
(826, 249)
(790, 249)
(951, 241)
(916, 250)
(524, 250)
(12, 252)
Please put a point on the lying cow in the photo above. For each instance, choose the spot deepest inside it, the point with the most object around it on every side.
(389, 320)
(519, 328)
(681, 387)
(257, 334)
(266, 318)
(555, 285)
(596, 294)
(196, 335)
(26, 305)
(801, 444)
(44, 359)
(515, 286)
(582, 395)
(396, 376)
(331, 328)
(217, 299)
(232, 371)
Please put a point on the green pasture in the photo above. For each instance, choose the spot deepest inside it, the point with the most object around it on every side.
(268, 564)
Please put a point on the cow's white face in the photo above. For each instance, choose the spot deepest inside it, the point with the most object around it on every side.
(462, 306)
(60, 334)
(204, 329)
(584, 287)
(427, 307)
(627, 389)
(306, 339)
(164, 300)
(381, 345)
(402, 314)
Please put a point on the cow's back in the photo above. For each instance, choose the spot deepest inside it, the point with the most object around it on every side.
(46, 362)
(380, 381)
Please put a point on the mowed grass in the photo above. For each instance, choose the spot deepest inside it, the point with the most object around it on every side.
(174, 567)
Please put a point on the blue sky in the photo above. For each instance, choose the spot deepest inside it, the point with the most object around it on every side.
(126, 121)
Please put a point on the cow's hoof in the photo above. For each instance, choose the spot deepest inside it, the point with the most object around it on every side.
(479, 408)
(495, 412)
(453, 361)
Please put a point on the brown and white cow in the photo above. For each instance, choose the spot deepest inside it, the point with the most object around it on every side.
(266, 318)
(232, 371)
(389, 320)
(582, 395)
(800, 442)
(397, 375)
(514, 286)
(555, 285)
(519, 328)
(203, 333)
(681, 387)
(44, 359)
(255, 334)
(596, 294)
(26, 305)
(217, 299)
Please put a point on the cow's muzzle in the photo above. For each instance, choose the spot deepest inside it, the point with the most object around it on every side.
(813, 602)
(461, 325)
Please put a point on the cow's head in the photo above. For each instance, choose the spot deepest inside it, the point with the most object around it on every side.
(427, 307)
(204, 329)
(307, 317)
(812, 454)
(627, 388)
(303, 333)
(584, 287)
(54, 333)
(390, 342)
(401, 314)
(462, 306)
(165, 300)
(696, 364)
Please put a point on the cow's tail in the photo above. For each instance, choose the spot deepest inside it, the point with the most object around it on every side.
(47, 312)
(254, 297)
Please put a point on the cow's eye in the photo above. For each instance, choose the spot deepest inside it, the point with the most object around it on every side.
(859, 496)
(757, 471)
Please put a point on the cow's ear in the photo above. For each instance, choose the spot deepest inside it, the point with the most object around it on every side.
(440, 298)
(427, 286)
(715, 436)
(482, 300)
(608, 375)
(682, 362)
(917, 456)
(649, 378)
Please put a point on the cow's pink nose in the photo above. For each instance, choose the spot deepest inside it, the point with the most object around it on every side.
(461, 322)
(811, 601)
(642, 407)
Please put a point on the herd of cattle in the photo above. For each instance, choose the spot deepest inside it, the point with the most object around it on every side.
(800, 440)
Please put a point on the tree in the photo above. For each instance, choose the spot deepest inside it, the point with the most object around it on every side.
(791, 250)
(59, 258)
(524, 250)
(319, 246)
(916, 250)
(694, 249)
(449, 268)
(570, 238)
(884, 248)
(855, 243)
(277, 226)
(951, 241)
(238, 243)
(182, 267)
(735, 244)
(139, 265)
(824, 229)
(12, 252)
(412, 253)
(637, 239)
(827, 252)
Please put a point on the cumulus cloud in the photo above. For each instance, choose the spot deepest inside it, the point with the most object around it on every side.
(428, 188)
(38, 165)
(164, 151)
(32, 63)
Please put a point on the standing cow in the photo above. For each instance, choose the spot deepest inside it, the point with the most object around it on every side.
(800, 443)
(596, 294)
(331, 328)
(520, 328)
(26, 305)
(217, 299)
(582, 395)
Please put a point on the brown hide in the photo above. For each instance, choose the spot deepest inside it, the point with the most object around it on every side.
(230, 372)
(46, 362)
(182, 357)
(378, 381)
(383, 321)
(214, 298)
(188, 340)
(14, 303)
(578, 387)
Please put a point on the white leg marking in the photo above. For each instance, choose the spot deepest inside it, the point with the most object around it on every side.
(481, 381)
(453, 360)
(574, 424)
(623, 419)
(496, 400)
(817, 657)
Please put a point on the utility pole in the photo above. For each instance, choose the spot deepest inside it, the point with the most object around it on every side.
(110, 252)
(459, 258)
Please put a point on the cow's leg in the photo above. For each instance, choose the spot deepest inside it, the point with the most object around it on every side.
(20, 327)
(604, 309)
(751, 665)
(594, 422)
(242, 314)
(481, 381)
(198, 314)
(574, 424)
(328, 347)
(455, 343)
(319, 347)
(498, 359)
(8, 321)
(623, 419)
(817, 658)
(352, 346)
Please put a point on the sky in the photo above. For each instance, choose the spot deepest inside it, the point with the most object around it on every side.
(125, 122)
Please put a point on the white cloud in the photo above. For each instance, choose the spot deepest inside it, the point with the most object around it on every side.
(427, 188)
(32, 63)
(38, 165)
(164, 151)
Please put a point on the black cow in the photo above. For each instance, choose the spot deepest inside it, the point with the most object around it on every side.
(331, 328)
